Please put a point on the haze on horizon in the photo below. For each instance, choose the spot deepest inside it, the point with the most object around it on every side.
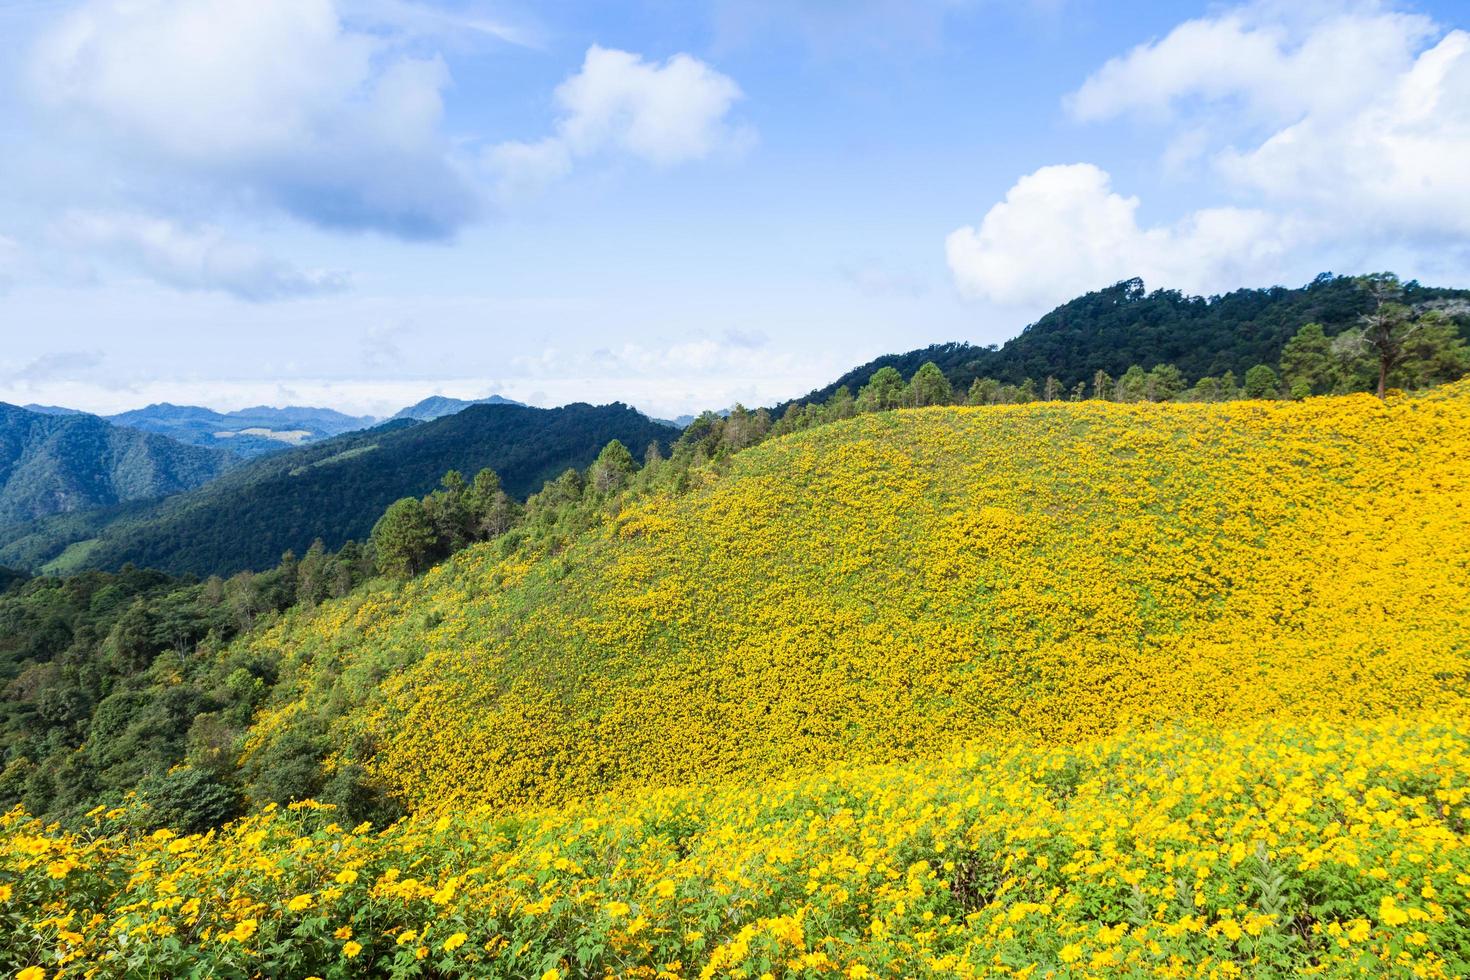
(358, 203)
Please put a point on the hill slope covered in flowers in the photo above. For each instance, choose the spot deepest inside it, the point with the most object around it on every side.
(894, 585)
(1055, 690)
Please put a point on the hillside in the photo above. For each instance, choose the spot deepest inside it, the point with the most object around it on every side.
(1114, 328)
(246, 432)
(56, 464)
(1046, 690)
(886, 587)
(333, 490)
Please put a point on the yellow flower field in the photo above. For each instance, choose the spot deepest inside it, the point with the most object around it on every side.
(1053, 690)
(1338, 849)
(891, 586)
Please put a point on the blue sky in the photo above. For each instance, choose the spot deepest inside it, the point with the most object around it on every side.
(676, 204)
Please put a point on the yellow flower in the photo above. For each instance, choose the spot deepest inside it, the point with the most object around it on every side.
(455, 942)
(299, 904)
(31, 973)
(5, 893)
(1071, 953)
(551, 974)
(616, 909)
(1390, 914)
(346, 877)
(243, 930)
(351, 949)
(345, 932)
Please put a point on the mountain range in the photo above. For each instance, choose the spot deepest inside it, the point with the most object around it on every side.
(334, 490)
(246, 432)
(53, 463)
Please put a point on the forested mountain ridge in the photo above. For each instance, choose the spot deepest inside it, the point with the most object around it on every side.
(1115, 328)
(54, 464)
(335, 490)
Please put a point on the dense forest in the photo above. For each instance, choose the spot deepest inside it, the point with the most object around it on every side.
(333, 490)
(51, 464)
(1124, 325)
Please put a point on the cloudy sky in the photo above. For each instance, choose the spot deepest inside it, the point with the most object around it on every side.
(672, 203)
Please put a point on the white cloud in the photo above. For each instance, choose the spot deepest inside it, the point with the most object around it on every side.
(278, 100)
(663, 114)
(1400, 162)
(1323, 129)
(1063, 230)
(191, 258)
(1269, 62)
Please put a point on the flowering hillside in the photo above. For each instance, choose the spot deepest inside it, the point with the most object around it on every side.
(1048, 690)
(891, 586)
(1334, 848)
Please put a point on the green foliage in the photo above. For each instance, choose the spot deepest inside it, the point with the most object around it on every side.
(187, 799)
(929, 386)
(1307, 363)
(404, 540)
(1261, 382)
(884, 390)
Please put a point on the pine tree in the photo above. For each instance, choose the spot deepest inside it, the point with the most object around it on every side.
(929, 386)
(404, 539)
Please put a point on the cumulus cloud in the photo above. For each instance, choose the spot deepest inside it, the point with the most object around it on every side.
(618, 102)
(1321, 128)
(1401, 161)
(279, 100)
(1063, 230)
(1269, 62)
(191, 259)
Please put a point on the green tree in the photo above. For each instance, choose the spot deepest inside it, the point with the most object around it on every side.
(929, 386)
(613, 467)
(1307, 364)
(1261, 382)
(1388, 326)
(1164, 383)
(1132, 386)
(884, 390)
(1434, 353)
(1206, 389)
(840, 406)
(983, 391)
(312, 585)
(449, 513)
(1102, 386)
(404, 539)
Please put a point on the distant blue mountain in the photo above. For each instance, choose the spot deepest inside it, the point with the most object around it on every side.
(246, 432)
(438, 406)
